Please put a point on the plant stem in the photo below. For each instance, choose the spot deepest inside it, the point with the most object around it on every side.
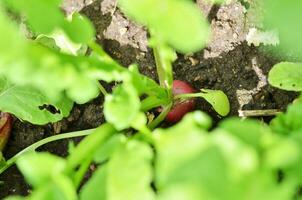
(151, 102)
(88, 146)
(102, 89)
(159, 67)
(36, 145)
(259, 113)
(188, 95)
(163, 66)
(160, 117)
(78, 177)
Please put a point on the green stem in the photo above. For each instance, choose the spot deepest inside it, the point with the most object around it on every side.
(88, 146)
(78, 177)
(188, 95)
(160, 117)
(159, 66)
(163, 67)
(151, 102)
(36, 145)
(102, 89)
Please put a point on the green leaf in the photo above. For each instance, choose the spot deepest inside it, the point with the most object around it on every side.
(59, 188)
(286, 76)
(28, 64)
(28, 104)
(284, 17)
(292, 167)
(47, 42)
(96, 188)
(39, 168)
(44, 17)
(285, 153)
(218, 99)
(249, 131)
(192, 164)
(179, 23)
(289, 122)
(145, 85)
(177, 145)
(107, 149)
(187, 165)
(79, 29)
(59, 41)
(122, 106)
(130, 172)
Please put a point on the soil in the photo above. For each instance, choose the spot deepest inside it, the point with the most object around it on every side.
(228, 63)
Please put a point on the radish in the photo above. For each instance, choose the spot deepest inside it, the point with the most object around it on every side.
(6, 122)
(180, 107)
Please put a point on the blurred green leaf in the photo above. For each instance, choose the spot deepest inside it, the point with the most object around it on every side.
(107, 149)
(289, 122)
(59, 188)
(44, 17)
(175, 146)
(226, 164)
(130, 172)
(284, 153)
(285, 17)
(31, 105)
(53, 73)
(249, 131)
(47, 42)
(64, 44)
(39, 168)
(179, 23)
(122, 106)
(286, 76)
(96, 187)
(79, 29)
(127, 175)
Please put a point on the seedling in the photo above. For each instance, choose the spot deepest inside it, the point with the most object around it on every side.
(236, 160)
(182, 161)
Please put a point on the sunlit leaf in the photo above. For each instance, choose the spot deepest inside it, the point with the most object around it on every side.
(286, 76)
(31, 105)
(218, 100)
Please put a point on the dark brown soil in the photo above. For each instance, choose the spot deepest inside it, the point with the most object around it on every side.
(228, 64)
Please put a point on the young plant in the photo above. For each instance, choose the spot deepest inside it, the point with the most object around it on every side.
(38, 74)
(236, 160)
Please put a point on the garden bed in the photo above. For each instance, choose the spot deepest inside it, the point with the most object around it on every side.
(228, 63)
